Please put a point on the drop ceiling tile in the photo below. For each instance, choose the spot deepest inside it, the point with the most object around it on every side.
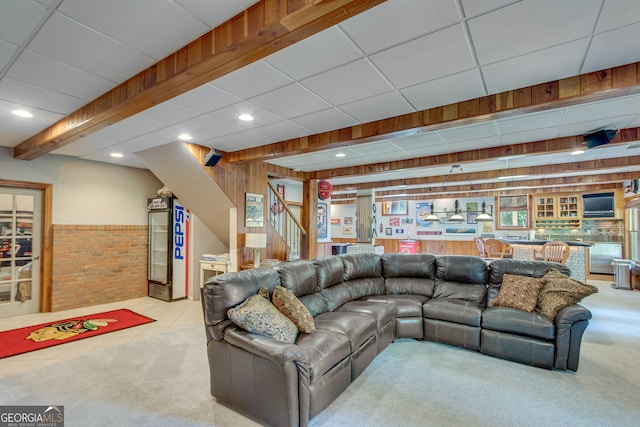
(469, 132)
(215, 12)
(230, 114)
(6, 52)
(205, 98)
(14, 129)
(446, 90)
(419, 141)
(76, 149)
(583, 128)
(291, 101)
(18, 18)
(204, 127)
(372, 148)
(378, 107)
(283, 130)
(603, 109)
(531, 135)
(537, 67)
(635, 123)
(532, 121)
(35, 96)
(138, 27)
(618, 13)
(330, 49)
(79, 46)
(475, 7)
(530, 25)
(475, 143)
(42, 71)
(613, 48)
(325, 120)
(169, 113)
(390, 156)
(254, 79)
(427, 58)
(432, 150)
(348, 83)
(395, 22)
(124, 130)
(238, 141)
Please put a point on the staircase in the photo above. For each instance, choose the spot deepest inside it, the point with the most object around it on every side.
(285, 223)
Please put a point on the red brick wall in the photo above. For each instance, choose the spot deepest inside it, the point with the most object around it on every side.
(97, 264)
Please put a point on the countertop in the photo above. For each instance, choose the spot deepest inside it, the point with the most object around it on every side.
(542, 242)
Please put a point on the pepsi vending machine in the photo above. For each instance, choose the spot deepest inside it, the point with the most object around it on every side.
(168, 254)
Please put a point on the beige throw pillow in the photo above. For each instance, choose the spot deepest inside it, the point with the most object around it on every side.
(257, 315)
(560, 291)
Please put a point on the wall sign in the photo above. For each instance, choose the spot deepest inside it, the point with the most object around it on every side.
(325, 190)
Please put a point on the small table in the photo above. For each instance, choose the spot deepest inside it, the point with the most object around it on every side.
(218, 267)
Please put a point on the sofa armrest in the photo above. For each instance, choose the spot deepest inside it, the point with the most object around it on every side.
(571, 323)
(265, 347)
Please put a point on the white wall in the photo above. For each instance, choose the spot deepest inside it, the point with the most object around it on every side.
(86, 192)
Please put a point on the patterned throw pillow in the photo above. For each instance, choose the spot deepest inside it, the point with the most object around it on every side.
(257, 315)
(290, 306)
(519, 292)
(264, 292)
(560, 291)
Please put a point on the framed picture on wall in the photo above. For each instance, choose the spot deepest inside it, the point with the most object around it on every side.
(388, 231)
(254, 210)
(395, 208)
(322, 220)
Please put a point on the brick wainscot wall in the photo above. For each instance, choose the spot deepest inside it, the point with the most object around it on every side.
(97, 264)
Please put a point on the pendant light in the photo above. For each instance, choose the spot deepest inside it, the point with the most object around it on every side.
(484, 216)
(457, 217)
(432, 214)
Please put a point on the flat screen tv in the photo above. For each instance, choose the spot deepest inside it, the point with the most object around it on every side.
(599, 205)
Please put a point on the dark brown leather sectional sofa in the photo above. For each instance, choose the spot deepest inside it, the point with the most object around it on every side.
(360, 304)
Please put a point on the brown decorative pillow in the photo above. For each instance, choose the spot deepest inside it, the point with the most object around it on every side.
(290, 306)
(257, 315)
(264, 292)
(560, 291)
(519, 292)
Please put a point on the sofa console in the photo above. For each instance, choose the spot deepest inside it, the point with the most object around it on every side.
(359, 304)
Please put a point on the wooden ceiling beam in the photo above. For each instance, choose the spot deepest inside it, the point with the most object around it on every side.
(264, 28)
(590, 87)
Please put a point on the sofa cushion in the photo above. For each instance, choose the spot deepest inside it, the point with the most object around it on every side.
(462, 269)
(461, 291)
(290, 306)
(358, 266)
(363, 287)
(336, 295)
(329, 270)
(323, 350)
(512, 320)
(357, 327)
(406, 305)
(519, 292)
(453, 310)
(409, 265)
(382, 312)
(560, 291)
(499, 267)
(409, 285)
(264, 292)
(299, 277)
(257, 315)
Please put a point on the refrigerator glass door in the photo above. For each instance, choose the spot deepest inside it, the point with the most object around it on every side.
(159, 246)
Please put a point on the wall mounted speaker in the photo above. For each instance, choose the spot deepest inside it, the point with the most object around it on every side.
(601, 137)
(212, 157)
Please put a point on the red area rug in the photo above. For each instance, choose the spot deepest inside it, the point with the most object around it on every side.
(23, 340)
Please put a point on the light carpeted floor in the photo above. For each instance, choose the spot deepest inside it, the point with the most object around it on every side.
(157, 375)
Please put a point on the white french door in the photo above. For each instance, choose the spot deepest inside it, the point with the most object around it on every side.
(20, 245)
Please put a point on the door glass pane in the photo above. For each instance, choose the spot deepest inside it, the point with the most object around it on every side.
(24, 205)
(6, 283)
(6, 204)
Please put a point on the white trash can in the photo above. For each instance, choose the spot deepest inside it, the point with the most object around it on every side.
(622, 273)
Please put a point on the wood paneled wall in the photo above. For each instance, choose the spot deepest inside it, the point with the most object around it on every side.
(434, 247)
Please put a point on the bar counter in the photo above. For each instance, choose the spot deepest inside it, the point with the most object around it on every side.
(577, 261)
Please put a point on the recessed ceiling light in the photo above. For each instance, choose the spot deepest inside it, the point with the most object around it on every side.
(185, 137)
(341, 155)
(574, 153)
(117, 155)
(22, 113)
(245, 117)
